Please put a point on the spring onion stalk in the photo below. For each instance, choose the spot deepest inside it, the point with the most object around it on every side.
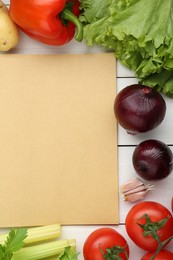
(38, 234)
(43, 251)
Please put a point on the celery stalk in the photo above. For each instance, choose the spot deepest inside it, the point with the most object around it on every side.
(38, 234)
(42, 251)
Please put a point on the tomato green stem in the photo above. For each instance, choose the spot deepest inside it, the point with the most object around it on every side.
(160, 246)
(113, 252)
(151, 228)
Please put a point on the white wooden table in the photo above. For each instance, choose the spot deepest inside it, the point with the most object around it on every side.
(126, 144)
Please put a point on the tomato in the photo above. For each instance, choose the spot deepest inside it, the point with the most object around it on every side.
(156, 212)
(162, 255)
(103, 241)
(172, 204)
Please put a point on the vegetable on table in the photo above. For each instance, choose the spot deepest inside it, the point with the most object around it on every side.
(105, 243)
(134, 190)
(8, 30)
(162, 255)
(140, 33)
(36, 243)
(152, 160)
(136, 107)
(150, 226)
(44, 250)
(50, 22)
(38, 234)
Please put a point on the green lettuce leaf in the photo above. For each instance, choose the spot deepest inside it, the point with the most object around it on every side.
(140, 32)
(162, 82)
(94, 10)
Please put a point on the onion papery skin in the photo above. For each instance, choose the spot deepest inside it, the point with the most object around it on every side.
(139, 108)
(152, 160)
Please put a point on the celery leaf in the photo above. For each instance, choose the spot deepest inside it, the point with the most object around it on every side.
(68, 254)
(14, 242)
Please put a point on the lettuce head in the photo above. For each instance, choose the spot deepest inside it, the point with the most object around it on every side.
(140, 32)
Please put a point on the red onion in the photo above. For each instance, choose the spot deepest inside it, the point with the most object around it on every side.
(152, 160)
(139, 108)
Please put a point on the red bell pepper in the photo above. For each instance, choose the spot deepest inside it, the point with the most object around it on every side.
(52, 22)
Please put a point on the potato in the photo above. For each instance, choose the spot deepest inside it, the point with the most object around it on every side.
(9, 35)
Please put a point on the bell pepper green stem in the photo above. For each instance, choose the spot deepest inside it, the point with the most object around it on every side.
(68, 15)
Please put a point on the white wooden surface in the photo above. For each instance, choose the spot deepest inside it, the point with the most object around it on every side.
(126, 144)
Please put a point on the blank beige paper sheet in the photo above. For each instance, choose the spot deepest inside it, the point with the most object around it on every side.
(58, 139)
